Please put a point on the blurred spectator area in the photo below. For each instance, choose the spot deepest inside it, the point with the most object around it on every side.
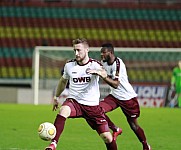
(25, 24)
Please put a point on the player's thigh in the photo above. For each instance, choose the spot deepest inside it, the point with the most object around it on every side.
(75, 110)
(96, 119)
(108, 103)
(130, 107)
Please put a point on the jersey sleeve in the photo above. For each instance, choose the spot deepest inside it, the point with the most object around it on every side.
(65, 73)
(96, 64)
(116, 70)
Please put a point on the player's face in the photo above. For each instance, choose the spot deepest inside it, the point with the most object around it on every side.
(105, 55)
(81, 52)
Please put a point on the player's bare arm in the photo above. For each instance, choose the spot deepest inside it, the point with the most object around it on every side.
(61, 86)
(113, 83)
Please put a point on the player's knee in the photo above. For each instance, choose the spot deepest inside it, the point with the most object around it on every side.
(107, 137)
(134, 126)
(65, 111)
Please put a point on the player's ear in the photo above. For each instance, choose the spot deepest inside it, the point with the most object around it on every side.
(111, 52)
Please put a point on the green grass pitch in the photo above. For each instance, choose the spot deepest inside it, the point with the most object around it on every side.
(19, 124)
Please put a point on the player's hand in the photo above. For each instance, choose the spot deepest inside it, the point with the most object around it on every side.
(55, 103)
(101, 72)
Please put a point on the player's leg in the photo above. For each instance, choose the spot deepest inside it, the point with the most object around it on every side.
(116, 130)
(59, 124)
(132, 111)
(139, 132)
(95, 117)
(66, 111)
(109, 104)
(107, 107)
(103, 131)
(108, 140)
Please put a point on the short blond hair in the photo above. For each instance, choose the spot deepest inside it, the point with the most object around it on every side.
(80, 40)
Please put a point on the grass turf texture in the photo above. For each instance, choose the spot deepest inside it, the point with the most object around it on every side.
(19, 124)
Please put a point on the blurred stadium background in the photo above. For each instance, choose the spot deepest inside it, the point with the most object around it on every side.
(25, 24)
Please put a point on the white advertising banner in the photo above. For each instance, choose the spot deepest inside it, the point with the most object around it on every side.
(149, 95)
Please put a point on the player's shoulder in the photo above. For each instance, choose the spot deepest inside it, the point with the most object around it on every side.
(119, 60)
(70, 61)
(95, 61)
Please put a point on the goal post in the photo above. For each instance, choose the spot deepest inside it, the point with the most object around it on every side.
(36, 66)
(35, 71)
(144, 65)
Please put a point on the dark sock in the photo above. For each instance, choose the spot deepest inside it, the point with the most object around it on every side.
(59, 124)
(112, 145)
(141, 136)
(111, 124)
(145, 145)
(138, 131)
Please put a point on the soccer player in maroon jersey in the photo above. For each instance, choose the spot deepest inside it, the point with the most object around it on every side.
(83, 99)
(122, 93)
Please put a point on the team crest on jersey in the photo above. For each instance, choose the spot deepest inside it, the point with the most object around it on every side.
(86, 71)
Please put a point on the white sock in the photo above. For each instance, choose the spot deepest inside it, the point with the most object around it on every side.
(54, 143)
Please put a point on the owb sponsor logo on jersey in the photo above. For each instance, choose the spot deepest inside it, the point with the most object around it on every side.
(81, 79)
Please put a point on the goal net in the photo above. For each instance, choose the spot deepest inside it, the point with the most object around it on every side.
(144, 65)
